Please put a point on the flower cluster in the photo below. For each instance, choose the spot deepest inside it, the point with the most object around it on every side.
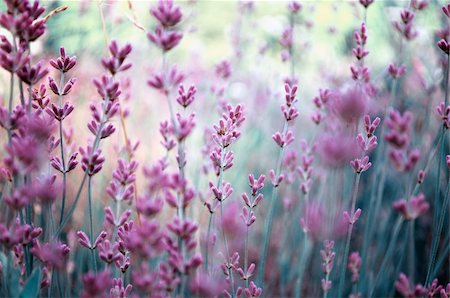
(165, 36)
(398, 137)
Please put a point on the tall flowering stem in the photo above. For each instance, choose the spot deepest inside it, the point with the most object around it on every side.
(249, 217)
(101, 128)
(359, 165)
(396, 71)
(63, 64)
(225, 134)
(328, 260)
(282, 139)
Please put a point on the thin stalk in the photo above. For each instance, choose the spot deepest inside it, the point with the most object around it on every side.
(302, 265)
(443, 257)
(80, 189)
(91, 229)
(11, 92)
(437, 235)
(230, 272)
(61, 146)
(269, 222)
(327, 278)
(376, 194)
(246, 255)
(431, 156)
(72, 208)
(349, 237)
(438, 184)
(291, 48)
(220, 187)
(181, 170)
(411, 251)
(207, 242)
(388, 254)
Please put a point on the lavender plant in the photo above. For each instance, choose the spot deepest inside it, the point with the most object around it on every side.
(161, 190)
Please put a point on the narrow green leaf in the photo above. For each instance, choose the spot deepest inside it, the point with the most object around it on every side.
(31, 288)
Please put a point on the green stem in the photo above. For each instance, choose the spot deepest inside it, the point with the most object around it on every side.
(269, 222)
(376, 195)
(91, 228)
(302, 265)
(207, 242)
(388, 254)
(61, 145)
(11, 92)
(437, 235)
(411, 251)
(246, 255)
(349, 237)
(72, 208)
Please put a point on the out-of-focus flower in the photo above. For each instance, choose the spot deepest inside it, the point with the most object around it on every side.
(337, 149)
(396, 71)
(354, 265)
(328, 259)
(403, 286)
(186, 98)
(118, 290)
(413, 208)
(223, 69)
(294, 7)
(46, 189)
(205, 285)
(52, 254)
(12, 60)
(165, 40)
(96, 285)
(166, 13)
(366, 3)
(351, 104)
(32, 74)
(444, 113)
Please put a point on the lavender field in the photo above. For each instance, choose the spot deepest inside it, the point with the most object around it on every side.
(224, 148)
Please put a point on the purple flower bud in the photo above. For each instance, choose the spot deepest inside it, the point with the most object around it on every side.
(115, 63)
(83, 239)
(165, 40)
(32, 74)
(444, 46)
(91, 161)
(63, 63)
(166, 13)
(186, 98)
(366, 3)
